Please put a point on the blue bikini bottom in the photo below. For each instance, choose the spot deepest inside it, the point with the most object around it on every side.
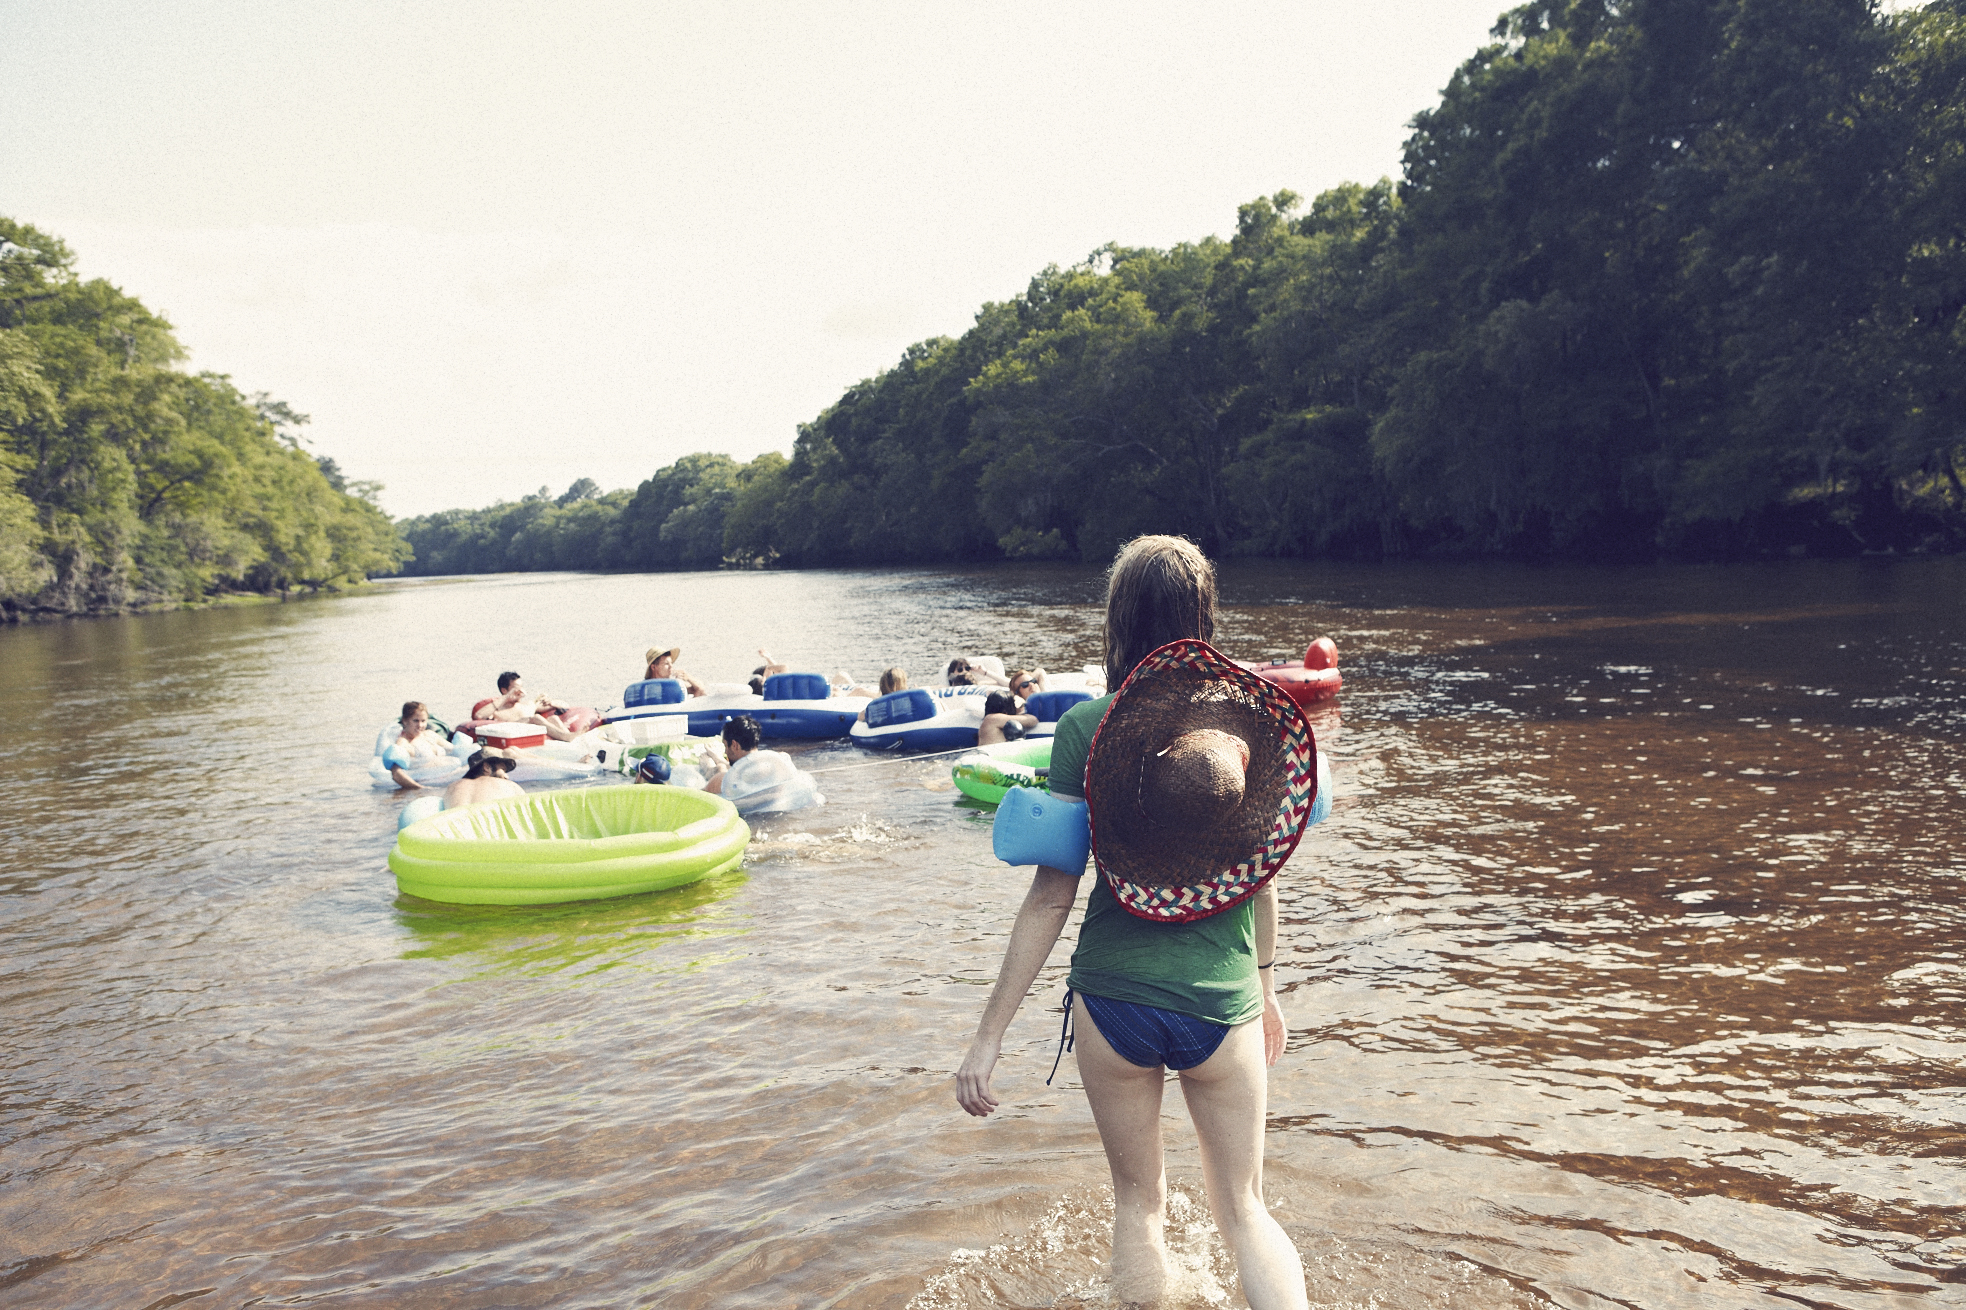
(1148, 1036)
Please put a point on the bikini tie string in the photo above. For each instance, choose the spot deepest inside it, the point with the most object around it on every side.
(1067, 1039)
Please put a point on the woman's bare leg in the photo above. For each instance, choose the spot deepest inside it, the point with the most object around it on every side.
(1228, 1096)
(1126, 1105)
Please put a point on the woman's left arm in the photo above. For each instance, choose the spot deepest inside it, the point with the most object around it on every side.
(1266, 958)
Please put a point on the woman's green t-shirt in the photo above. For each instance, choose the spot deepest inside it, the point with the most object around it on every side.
(1206, 967)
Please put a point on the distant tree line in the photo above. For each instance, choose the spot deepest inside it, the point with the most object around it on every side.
(678, 519)
(126, 482)
(1678, 277)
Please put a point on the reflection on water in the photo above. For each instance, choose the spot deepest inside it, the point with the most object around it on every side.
(580, 940)
(1629, 969)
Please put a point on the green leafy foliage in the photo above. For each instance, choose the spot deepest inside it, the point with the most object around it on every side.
(1659, 277)
(125, 482)
(1679, 277)
(1674, 275)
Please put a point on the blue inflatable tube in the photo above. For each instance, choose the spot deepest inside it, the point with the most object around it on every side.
(1049, 707)
(793, 707)
(785, 720)
(923, 719)
(1321, 805)
(1035, 827)
(420, 808)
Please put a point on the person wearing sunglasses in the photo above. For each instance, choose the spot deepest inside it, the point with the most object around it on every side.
(1004, 716)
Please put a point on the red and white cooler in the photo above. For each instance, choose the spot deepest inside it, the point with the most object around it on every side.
(512, 736)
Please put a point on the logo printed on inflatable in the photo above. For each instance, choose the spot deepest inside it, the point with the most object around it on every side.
(652, 691)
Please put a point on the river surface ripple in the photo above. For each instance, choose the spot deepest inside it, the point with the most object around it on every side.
(1628, 970)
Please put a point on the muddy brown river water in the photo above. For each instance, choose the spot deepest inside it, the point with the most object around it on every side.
(1630, 969)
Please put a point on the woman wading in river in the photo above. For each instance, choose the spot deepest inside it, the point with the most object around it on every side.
(1198, 778)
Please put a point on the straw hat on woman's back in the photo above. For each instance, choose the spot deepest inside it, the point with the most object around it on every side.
(1199, 782)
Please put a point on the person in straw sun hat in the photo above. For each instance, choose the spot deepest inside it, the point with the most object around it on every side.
(662, 664)
(1198, 778)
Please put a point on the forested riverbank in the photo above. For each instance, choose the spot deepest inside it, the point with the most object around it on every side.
(1671, 278)
(126, 483)
(1663, 278)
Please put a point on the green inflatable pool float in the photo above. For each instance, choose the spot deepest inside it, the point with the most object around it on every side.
(986, 773)
(569, 846)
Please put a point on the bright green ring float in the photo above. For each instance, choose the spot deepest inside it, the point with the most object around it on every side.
(569, 846)
(988, 772)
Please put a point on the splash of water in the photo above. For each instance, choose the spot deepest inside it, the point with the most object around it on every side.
(865, 831)
(1063, 1262)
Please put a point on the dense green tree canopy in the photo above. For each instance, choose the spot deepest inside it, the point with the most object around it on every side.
(1680, 277)
(124, 481)
(1659, 276)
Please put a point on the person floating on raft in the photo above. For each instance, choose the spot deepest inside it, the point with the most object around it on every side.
(662, 664)
(415, 745)
(770, 668)
(983, 671)
(514, 705)
(893, 679)
(1190, 787)
(1004, 716)
(760, 781)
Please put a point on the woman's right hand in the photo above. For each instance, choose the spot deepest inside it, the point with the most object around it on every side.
(973, 1079)
(1275, 1033)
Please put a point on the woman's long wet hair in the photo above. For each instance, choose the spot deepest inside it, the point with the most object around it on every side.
(1160, 589)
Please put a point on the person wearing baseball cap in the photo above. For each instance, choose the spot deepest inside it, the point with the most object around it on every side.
(1196, 780)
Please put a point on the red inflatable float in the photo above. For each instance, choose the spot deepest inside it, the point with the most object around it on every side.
(1309, 680)
(576, 720)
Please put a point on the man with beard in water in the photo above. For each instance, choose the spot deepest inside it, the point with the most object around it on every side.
(1197, 778)
(484, 780)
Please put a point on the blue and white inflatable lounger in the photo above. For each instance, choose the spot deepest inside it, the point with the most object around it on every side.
(923, 719)
(794, 707)
(701, 716)
(645, 703)
(1050, 706)
(705, 715)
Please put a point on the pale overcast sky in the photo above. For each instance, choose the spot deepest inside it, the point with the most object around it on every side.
(493, 247)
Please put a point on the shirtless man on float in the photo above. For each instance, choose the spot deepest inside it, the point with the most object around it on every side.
(512, 705)
(484, 780)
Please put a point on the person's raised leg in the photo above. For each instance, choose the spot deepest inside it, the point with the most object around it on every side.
(1228, 1096)
(1126, 1101)
(554, 728)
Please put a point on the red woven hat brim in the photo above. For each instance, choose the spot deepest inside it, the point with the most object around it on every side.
(1173, 874)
